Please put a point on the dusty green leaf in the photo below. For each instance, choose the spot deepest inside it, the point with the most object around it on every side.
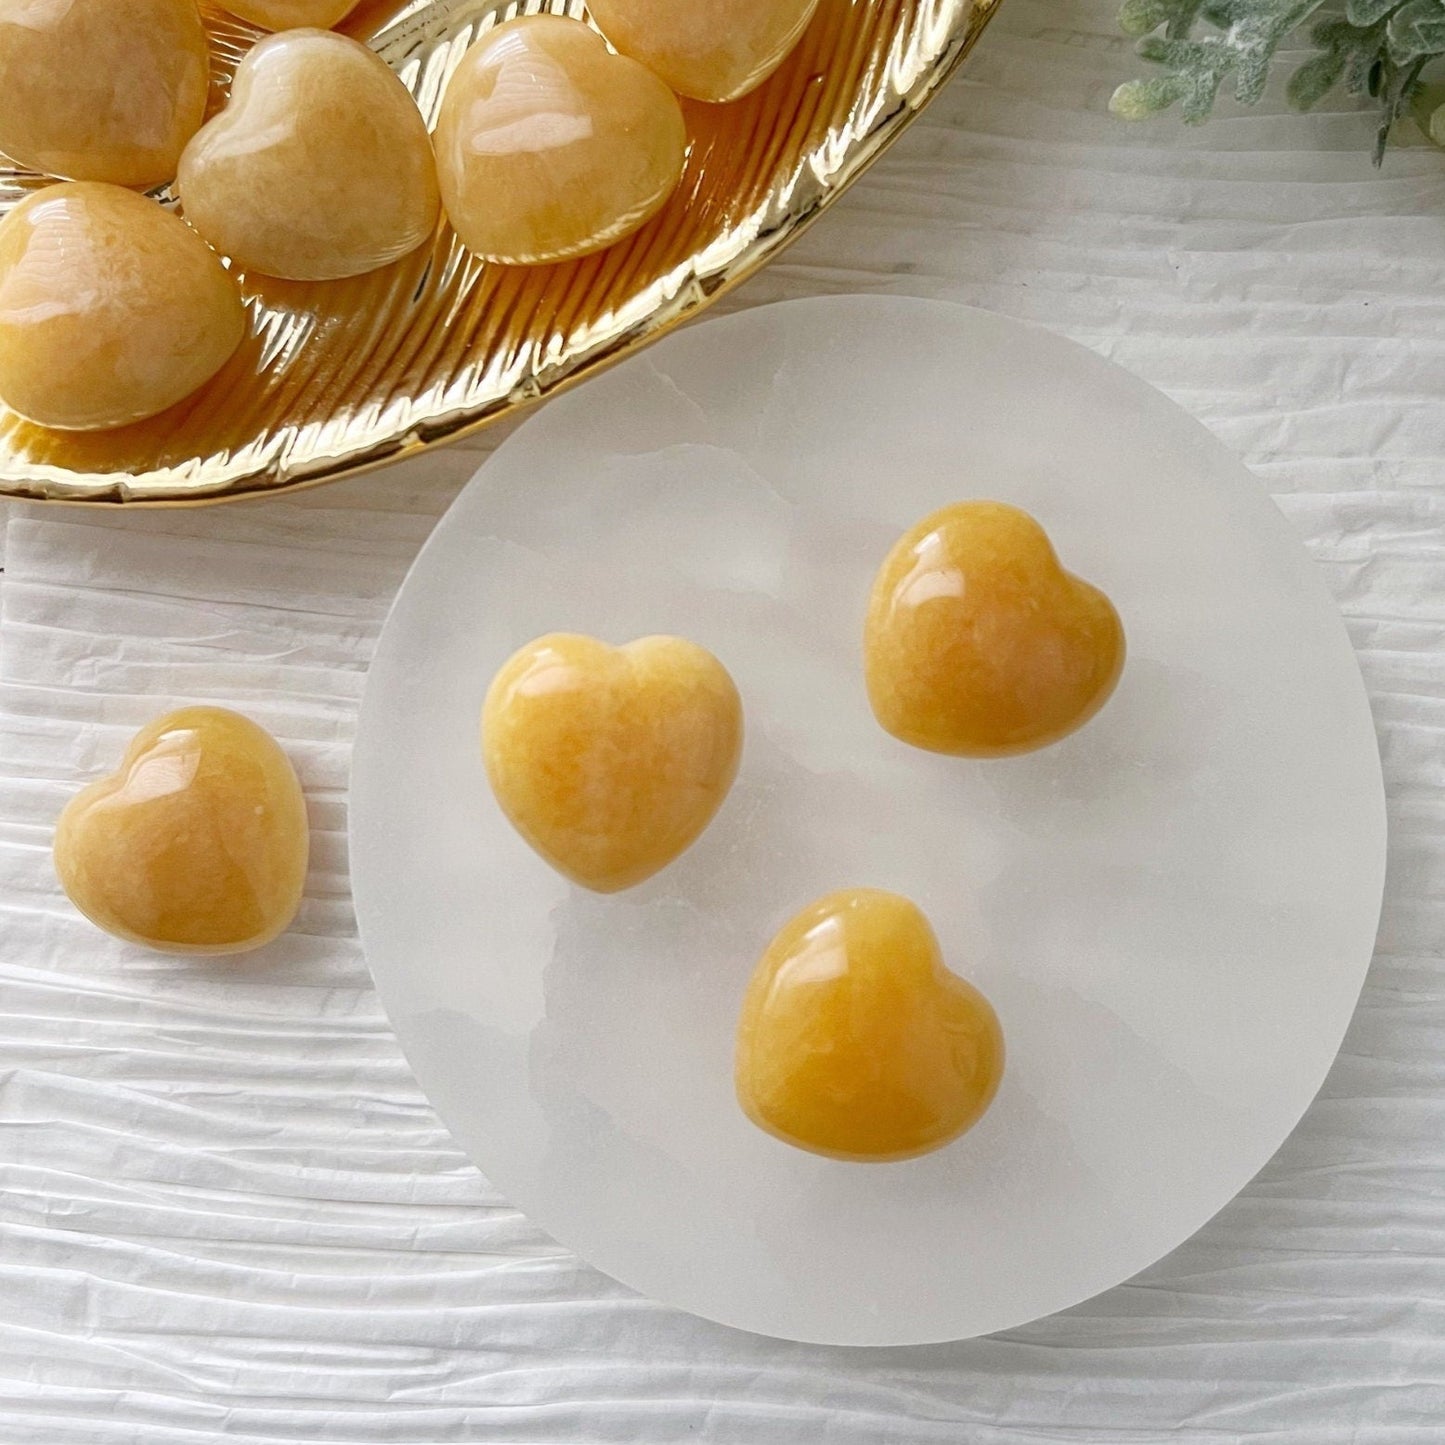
(1364, 13)
(1136, 99)
(1314, 80)
(1374, 47)
(1417, 29)
(1139, 17)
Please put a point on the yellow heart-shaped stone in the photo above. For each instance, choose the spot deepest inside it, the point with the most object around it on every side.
(289, 14)
(549, 146)
(979, 644)
(197, 844)
(610, 761)
(111, 309)
(101, 90)
(856, 1042)
(319, 167)
(711, 50)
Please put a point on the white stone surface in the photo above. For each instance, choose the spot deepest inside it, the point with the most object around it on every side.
(226, 1209)
(1171, 910)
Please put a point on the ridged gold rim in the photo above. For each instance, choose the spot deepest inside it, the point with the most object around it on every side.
(338, 378)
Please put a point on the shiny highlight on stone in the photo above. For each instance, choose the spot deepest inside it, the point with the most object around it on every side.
(611, 761)
(978, 643)
(101, 90)
(714, 50)
(111, 309)
(197, 844)
(550, 147)
(319, 167)
(856, 1041)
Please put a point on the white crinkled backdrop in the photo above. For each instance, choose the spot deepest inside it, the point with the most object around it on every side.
(226, 1209)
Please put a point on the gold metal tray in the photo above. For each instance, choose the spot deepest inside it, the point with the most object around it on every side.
(339, 376)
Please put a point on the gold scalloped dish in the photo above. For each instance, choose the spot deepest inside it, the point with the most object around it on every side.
(336, 377)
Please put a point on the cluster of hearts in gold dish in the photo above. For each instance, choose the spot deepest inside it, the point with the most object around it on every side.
(549, 145)
(855, 1040)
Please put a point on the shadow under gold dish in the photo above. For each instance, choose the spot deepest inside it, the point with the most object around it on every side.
(338, 376)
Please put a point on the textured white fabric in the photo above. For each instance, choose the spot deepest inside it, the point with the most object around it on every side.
(227, 1211)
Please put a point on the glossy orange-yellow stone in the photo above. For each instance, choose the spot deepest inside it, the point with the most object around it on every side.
(197, 844)
(319, 167)
(289, 14)
(610, 761)
(549, 146)
(101, 90)
(712, 50)
(111, 309)
(978, 643)
(857, 1042)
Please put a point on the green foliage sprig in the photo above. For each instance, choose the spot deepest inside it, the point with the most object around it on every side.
(1379, 48)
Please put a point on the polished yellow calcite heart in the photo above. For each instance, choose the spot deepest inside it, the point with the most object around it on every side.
(978, 643)
(549, 146)
(610, 761)
(111, 309)
(289, 14)
(319, 167)
(711, 50)
(857, 1042)
(197, 844)
(101, 90)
